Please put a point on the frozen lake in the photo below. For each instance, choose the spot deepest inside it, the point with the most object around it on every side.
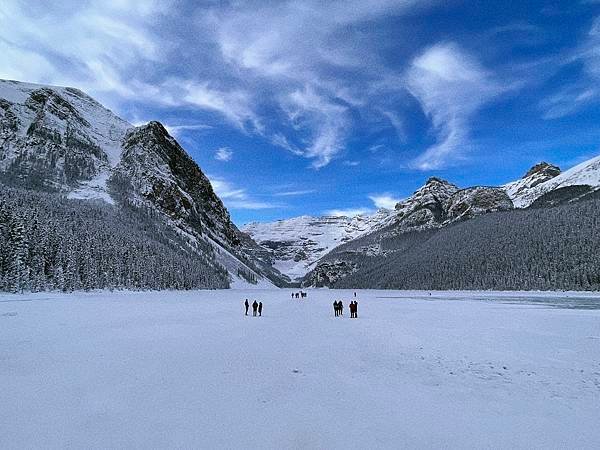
(189, 370)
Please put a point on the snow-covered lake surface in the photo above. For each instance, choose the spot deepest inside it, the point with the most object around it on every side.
(189, 370)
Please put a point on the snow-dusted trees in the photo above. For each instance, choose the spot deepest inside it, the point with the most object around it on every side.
(49, 242)
(545, 248)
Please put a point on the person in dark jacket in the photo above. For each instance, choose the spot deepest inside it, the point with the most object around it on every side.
(335, 308)
(247, 305)
(254, 308)
(260, 309)
(355, 309)
(341, 308)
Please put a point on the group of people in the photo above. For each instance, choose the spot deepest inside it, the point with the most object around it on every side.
(338, 309)
(338, 306)
(256, 308)
(300, 294)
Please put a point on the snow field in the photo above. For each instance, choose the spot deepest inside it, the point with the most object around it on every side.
(189, 370)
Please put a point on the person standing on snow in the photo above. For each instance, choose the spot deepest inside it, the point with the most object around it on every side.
(355, 309)
(335, 308)
(260, 309)
(247, 305)
(254, 308)
(341, 308)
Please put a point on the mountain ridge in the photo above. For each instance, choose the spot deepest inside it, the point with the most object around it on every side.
(436, 204)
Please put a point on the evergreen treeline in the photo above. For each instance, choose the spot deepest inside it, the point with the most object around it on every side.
(48, 242)
(533, 249)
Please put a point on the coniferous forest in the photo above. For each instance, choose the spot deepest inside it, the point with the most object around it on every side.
(556, 248)
(48, 242)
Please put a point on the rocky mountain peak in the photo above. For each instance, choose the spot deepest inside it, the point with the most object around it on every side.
(544, 170)
(161, 172)
(435, 180)
(523, 191)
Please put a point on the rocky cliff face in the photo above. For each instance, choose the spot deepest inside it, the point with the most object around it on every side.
(475, 201)
(55, 139)
(439, 203)
(156, 171)
(426, 207)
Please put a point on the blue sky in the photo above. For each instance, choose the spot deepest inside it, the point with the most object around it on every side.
(312, 107)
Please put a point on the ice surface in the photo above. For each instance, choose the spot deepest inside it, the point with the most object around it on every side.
(188, 370)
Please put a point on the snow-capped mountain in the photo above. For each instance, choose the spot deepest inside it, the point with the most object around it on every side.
(297, 244)
(544, 178)
(61, 140)
(520, 190)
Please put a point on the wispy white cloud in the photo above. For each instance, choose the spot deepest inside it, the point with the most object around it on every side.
(177, 130)
(305, 44)
(235, 104)
(237, 198)
(93, 45)
(327, 120)
(224, 154)
(386, 200)
(295, 193)
(450, 86)
(348, 212)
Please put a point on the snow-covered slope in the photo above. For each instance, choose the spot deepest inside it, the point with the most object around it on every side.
(59, 139)
(297, 244)
(547, 178)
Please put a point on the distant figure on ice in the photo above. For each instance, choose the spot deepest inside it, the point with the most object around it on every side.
(292, 295)
(335, 308)
(260, 309)
(297, 295)
(355, 295)
(247, 305)
(254, 308)
(341, 306)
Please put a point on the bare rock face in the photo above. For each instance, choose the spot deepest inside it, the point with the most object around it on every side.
(543, 171)
(426, 208)
(475, 201)
(47, 142)
(160, 173)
